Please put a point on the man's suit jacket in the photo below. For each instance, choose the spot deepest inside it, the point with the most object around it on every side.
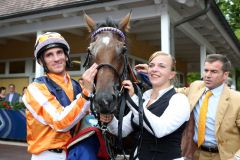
(227, 122)
(14, 99)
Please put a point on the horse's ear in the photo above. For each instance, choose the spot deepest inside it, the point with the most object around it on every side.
(124, 24)
(91, 24)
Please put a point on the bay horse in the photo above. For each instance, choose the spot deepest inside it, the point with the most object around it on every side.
(108, 49)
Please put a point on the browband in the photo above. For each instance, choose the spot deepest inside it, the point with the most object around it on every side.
(115, 30)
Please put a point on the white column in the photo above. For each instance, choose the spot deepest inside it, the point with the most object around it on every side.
(172, 41)
(203, 54)
(29, 69)
(165, 29)
(38, 68)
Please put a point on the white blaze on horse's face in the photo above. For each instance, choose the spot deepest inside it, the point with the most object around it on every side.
(106, 40)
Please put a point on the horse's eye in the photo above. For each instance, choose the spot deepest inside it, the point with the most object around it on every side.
(124, 49)
(89, 51)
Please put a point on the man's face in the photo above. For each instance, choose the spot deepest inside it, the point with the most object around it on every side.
(55, 60)
(11, 88)
(214, 76)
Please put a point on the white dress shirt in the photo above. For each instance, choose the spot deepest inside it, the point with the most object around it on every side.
(210, 140)
(10, 97)
(177, 112)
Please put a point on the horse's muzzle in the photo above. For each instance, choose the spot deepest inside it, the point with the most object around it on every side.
(105, 102)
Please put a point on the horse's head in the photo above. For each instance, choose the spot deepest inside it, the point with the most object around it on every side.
(108, 50)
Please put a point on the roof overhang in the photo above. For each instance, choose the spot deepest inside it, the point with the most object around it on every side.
(210, 29)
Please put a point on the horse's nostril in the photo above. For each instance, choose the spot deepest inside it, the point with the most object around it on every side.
(103, 99)
(105, 102)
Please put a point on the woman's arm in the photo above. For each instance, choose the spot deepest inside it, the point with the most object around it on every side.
(126, 125)
(177, 112)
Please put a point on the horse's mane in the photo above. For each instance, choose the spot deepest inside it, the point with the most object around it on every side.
(109, 23)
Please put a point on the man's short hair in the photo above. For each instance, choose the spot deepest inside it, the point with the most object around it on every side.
(11, 85)
(226, 67)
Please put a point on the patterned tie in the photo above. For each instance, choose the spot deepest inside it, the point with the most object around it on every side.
(202, 118)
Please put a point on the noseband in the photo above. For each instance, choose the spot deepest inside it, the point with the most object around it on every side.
(120, 76)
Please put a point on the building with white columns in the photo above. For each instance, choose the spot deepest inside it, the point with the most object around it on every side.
(188, 29)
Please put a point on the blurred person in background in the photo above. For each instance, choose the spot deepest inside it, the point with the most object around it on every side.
(23, 92)
(2, 93)
(12, 96)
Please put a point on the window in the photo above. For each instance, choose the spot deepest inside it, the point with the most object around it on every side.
(17, 67)
(138, 62)
(179, 81)
(76, 64)
(2, 67)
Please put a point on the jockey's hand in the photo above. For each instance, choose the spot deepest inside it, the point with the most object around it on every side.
(142, 68)
(106, 118)
(129, 86)
(88, 77)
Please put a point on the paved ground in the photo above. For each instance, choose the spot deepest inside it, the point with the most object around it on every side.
(18, 151)
(13, 151)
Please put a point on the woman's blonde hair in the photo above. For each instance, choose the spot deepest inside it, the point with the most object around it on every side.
(159, 53)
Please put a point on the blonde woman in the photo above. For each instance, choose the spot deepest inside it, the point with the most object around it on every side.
(165, 110)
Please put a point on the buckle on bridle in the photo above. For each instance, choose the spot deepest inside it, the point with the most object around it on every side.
(104, 128)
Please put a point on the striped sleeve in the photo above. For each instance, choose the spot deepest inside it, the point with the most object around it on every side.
(46, 109)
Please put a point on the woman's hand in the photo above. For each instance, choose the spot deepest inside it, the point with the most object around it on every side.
(129, 86)
(142, 68)
(88, 77)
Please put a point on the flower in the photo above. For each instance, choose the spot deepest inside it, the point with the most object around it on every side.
(11, 106)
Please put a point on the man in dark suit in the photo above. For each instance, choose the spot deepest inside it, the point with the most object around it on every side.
(12, 96)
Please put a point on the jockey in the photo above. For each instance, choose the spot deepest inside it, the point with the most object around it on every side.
(56, 103)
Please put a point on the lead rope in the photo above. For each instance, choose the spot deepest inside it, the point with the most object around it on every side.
(103, 128)
(107, 141)
(142, 117)
(123, 93)
(140, 113)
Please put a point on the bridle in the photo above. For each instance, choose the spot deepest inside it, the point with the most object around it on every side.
(121, 92)
(122, 76)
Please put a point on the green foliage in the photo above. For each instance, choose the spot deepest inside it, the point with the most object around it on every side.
(15, 106)
(238, 79)
(231, 10)
(193, 76)
(237, 33)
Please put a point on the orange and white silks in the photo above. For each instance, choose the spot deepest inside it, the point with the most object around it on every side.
(48, 123)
